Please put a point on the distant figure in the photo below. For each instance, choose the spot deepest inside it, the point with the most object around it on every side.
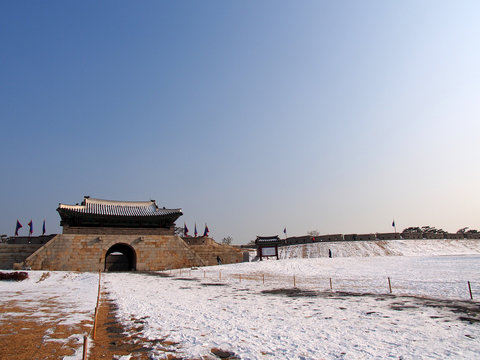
(219, 261)
(329, 253)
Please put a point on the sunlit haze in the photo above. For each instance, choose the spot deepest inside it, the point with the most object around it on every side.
(251, 116)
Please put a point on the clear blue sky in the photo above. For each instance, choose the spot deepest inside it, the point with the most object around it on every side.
(336, 116)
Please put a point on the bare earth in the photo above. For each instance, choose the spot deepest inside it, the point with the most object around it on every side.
(24, 336)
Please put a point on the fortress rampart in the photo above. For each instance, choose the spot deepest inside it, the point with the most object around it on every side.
(308, 239)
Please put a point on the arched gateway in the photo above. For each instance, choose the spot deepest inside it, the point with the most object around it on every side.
(120, 257)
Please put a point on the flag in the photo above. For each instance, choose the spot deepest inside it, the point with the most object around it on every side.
(43, 227)
(205, 233)
(393, 223)
(196, 230)
(285, 231)
(185, 230)
(30, 224)
(17, 227)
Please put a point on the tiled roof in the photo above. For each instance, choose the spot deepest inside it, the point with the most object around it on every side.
(267, 239)
(118, 208)
(274, 237)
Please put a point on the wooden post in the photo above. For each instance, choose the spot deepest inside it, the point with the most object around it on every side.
(95, 323)
(220, 275)
(331, 288)
(263, 276)
(470, 290)
(240, 277)
(85, 347)
(99, 285)
(96, 307)
(294, 283)
(389, 285)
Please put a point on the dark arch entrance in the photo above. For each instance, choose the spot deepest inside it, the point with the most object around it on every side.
(120, 257)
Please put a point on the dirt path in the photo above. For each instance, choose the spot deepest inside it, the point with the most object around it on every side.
(113, 339)
(27, 334)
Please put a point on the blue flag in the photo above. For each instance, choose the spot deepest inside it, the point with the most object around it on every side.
(17, 227)
(393, 223)
(205, 233)
(43, 228)
(185, 230)
(196, 230)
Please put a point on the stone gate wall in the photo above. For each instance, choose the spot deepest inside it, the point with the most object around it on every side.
(85, 252)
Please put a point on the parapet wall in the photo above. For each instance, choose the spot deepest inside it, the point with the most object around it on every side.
(42, 239)
(208, 250)
(296, 240)
(15, 253)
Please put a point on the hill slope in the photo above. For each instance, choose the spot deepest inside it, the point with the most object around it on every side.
(382, 248)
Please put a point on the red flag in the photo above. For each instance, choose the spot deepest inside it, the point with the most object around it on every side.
(206, 231)
(17, 227)
(30, 224)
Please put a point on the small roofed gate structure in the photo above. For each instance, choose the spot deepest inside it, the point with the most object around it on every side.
(267, 246)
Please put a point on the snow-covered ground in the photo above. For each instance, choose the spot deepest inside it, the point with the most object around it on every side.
(73, 294)
(230, 307)
(255, 311)
(381, 248)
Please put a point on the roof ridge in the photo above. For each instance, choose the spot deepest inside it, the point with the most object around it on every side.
(118, 208)
(92, 201)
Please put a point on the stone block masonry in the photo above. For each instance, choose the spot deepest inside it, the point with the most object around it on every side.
(87, 252)
(208, 250)
(15, 253)
(116, 230)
